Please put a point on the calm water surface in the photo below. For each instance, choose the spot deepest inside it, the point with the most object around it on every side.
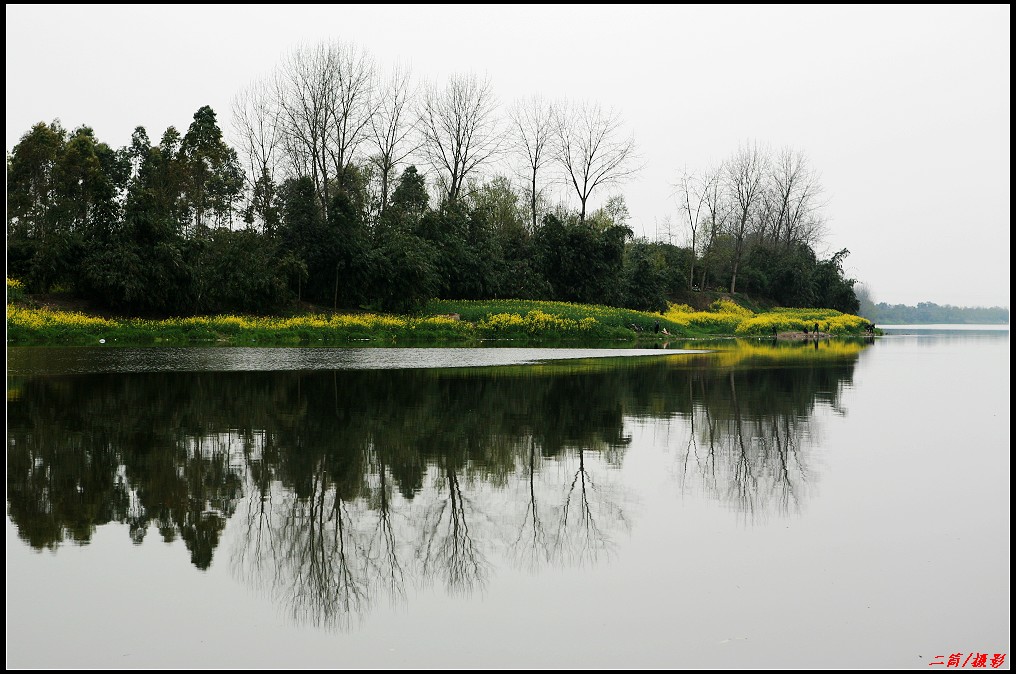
(730, 504)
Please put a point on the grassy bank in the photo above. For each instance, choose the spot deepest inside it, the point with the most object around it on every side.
(440, 322)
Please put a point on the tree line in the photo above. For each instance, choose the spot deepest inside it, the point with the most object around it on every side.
(929, 312)
(347, 186)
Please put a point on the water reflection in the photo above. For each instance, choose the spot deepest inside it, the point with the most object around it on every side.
(336, 489)
(750, 422)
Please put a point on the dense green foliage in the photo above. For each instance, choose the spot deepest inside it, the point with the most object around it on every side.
(169, 229)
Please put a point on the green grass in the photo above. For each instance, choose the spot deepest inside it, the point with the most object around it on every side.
(561, 320)
(458, 322)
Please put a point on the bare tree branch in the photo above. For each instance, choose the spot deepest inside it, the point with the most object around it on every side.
(391, 130)
(533, 137)
(746, 173)
(459, 130)
(257, 126)
(352, 103)
(592, 151)
(303, 91)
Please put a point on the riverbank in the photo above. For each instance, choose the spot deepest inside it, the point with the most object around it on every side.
(441, 322)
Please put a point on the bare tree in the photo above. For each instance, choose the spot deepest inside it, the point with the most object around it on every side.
(592, 150)
(533, 137)
(351, 103)
(693, 194)
(325, 100)
(717, 214)
(303, 90)
(793, 194)
(664, 229)
(746, 174)
(390, 129)
(459, 130)
(256, 126)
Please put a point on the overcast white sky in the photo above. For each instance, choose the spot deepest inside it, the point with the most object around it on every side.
(903, 110)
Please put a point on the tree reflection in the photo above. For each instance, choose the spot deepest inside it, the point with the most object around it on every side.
(319, 574)
(341, 488)
(589, 511)
(530, 547)
(382, 549)
(748, 422)
(446, 548)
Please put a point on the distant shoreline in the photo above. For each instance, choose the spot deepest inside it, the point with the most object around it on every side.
(946, 326)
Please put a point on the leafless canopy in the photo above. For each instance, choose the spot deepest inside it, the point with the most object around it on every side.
(755, 197)
(593, 149)
(302, 93)
(256, 126)
(791, 201)
(391, 129)
(325, 98)
(693, 193)
(533, 138)
(746, 173)
(352, 103)
(459, 130)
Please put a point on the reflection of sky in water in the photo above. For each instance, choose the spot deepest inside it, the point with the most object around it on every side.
(935, 335)
(668, 537)
(943, 328)
(198, 359)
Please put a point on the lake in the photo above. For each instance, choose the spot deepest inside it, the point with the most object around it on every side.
(715, 504)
